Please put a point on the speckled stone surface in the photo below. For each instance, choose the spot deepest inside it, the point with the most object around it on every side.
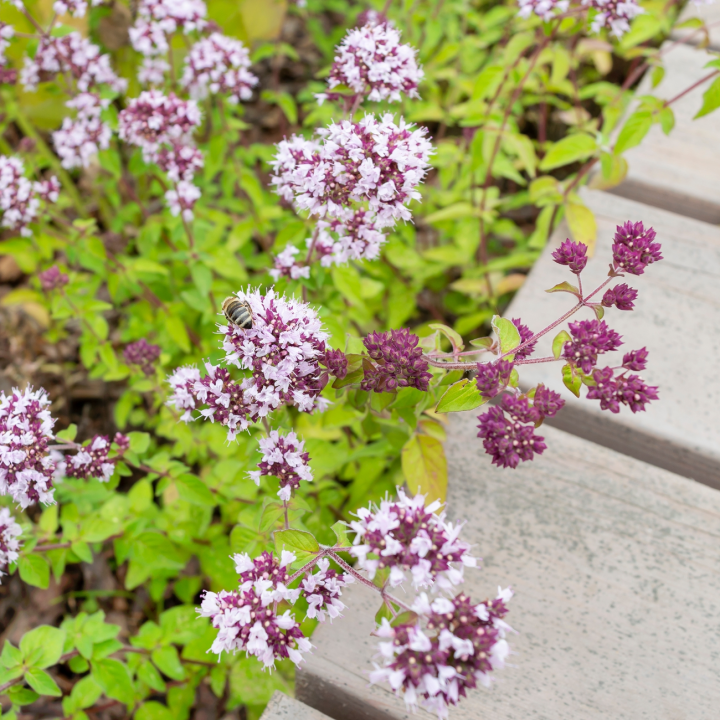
(681, 171)
(616, 570)
(676, 316)
(282, 707)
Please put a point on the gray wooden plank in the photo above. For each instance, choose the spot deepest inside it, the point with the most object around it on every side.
(681, 171)
(676, 316)
(616, 571)
(283, 707)
(710, 15)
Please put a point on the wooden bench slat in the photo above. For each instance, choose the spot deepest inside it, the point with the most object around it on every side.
(283, 707)
(616, 571)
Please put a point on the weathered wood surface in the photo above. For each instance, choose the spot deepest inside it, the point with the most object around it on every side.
(681, 171)
(616, 571)
(282, 707)
(676, 316)
(710, 15)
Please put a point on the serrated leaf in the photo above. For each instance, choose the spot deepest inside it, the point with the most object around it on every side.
(463, 395)
(299, 542)
(559, 343)
(564, 287)
(341, 534)
(42, 683)
(572, 380)
(455, 338)
(34, 571)
(508, 335)
(568, 150)
(425, 467)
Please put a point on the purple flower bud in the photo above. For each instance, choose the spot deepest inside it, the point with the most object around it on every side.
(630, 390)
(336, 363)
(122, 442)
(590, 338)
(621, 296)
(492, 377)
(547, 402)
(142, 354)
(52, 279)
(635, 360)
(634, 249)
(92, 461)
(572, 254)
(283, 458)
(511, 440)
(399, 362)
(525, 334)
(604, 390)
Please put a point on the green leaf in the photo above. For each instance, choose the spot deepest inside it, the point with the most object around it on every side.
(148, 674)
(568, 150)
(559, 342)
(43, 646)
(457, 211)
(404, 618)
(34, 570)
(635, 129)
(11, 656)
(463, 395)
(425, 467)
(85, 692)
(455, 339)
(572, 380)
(583, 226)
(599, 310)
(153, 711)
(483, 342)
(139, 442)
(302, 543)
(82, 550)
(711, 99)
(67, 435)
(195, 491)
(114, 678)
(564, 286)
(667, 120)
(507, 333)
(341, 534)
(42, 683)
(22, 696)
(168, 661)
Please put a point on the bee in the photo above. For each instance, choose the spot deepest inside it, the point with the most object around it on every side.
(238, 312)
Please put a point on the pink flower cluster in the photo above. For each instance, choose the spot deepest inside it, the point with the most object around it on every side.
(404, 536)
(93, 461)
(373, 161)
(76, 8)
(371, 61)
(545, 9)
(8, 75)
(156, 19)
(53, 279)
(322, 590)
(74, 57)
(284, 458)
(353, 234)
(282, 350)
(614, 15)
(26, 468)
(143, 355)
(9, 543)
(219, 65)
(452, 646)
(223, 397)
(247, 618)
(78, 141)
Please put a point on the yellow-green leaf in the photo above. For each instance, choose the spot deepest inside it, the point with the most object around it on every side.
(425, 467)
(582, 225)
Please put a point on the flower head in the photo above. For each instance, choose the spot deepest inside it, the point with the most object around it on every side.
(371, 61)
(10, 531)
(634, 248)
(286, 265)
(76, 8)
(219, 65)
(435, 665)
(590, 338)
(179, 160)
(142, 354)
(545, 9)
(322, 590)
(373, 161)
(508, 432)
(621, 296)
(614, 15)
(282, 350)
(223, 398)
(336, 363)
(353, 234)
(406, 537)
(547, 402)
(399, 362)
(624, 389)
(26, 468)
(93, 461)
(525, 334)
(635, 360)
(19, 197)
(181, 200)
(78, 141)
(52, 279)
(492, 377)
(284, 458)
(7, 75)
(572, 254)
